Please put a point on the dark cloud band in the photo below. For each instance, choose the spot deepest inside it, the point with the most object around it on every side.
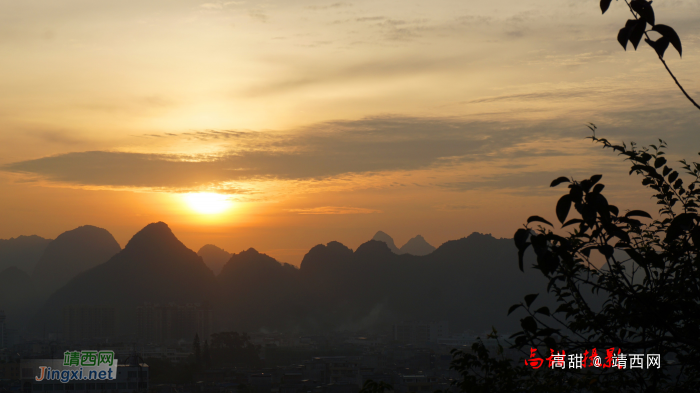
(320, 151)
(315, 152)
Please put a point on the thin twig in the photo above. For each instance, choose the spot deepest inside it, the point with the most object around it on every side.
(678, 84)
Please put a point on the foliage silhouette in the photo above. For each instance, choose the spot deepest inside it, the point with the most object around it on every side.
(636, 28)
(196, 350)
(164, 371)
(645, 298)
(206, 355)
(371, 386)
(481, 372)
(233, 349)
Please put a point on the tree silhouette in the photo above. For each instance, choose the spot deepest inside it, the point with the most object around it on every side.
(197, 351)
(371, 386)
(232, 348)
(644, 298)
(206, 355)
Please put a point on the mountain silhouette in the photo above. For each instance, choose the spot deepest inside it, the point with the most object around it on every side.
(258, 291)
(321, 260)
(17, 296)
(22, 251)
(154, 266)
(470, 282)
(71, 253)
(383, 237)
(417, 246)
(214, 257)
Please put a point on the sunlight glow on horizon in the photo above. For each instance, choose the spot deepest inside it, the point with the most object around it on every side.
(208, 202)
(282, 125)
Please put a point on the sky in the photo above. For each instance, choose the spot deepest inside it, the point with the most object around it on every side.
(281, 125)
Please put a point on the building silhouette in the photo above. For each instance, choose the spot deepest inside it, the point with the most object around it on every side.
(420, 332)
(170, 322)
(3, 330)
(89, 322)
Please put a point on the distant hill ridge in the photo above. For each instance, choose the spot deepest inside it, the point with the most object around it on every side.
(414, 246)
(383, 237)
(22, 251)
(214, 257)
(71, 253)
(17, 295)
(52, 264)
(154, 266)
(470, 282)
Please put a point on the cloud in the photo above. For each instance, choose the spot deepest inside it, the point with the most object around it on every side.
(396, 29)
(471, 20)
(367, 71)
(104, 168)
(208, 135)
(504, 181)
(370, 18)
(259, 15)
(554, 94)
(219, 4)
(330, 6)
(63, 137)
(334, 210)
(370, 145)
(449, 207)
(401, 30)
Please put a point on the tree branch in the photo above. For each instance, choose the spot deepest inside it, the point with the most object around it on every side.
(664, 62)
(678, 84)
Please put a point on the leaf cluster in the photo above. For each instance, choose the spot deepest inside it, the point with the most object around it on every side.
(482, 372)
(635, 28)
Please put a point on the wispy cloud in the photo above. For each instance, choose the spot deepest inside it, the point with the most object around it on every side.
(454, 207)
(552, 94)
(210, 135)
(329, 6)
(504, 181)
(334, 210)
(370, 18)
(367, 72)
(219, 4)
(259, 15)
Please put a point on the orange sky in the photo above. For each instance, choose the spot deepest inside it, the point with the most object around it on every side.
(319, 121)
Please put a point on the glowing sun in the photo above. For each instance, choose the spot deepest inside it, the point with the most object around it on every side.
(208, 202)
